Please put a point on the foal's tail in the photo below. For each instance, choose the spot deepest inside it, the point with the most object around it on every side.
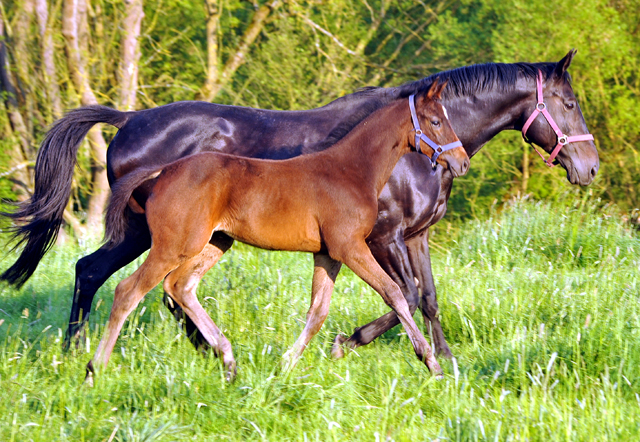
(116, 216)
(38, 220)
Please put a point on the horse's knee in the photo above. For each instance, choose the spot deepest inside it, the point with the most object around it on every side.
(429, 304)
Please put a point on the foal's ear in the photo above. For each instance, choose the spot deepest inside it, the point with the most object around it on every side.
(435, 91)
(563, 65)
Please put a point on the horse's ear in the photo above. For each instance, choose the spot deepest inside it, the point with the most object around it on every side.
(441, 87)
(563, 65)
(434, 90)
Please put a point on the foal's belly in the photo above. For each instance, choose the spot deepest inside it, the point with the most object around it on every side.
(274, 233)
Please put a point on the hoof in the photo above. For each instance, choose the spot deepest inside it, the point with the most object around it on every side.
(88, 379)
(444, 353)
(232, 371)
(337, 352)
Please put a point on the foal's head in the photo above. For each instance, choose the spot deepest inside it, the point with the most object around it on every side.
(434, 123)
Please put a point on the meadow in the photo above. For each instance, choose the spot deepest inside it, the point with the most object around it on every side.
(539, 303)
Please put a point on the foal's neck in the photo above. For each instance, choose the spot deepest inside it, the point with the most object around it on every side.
(371, 150)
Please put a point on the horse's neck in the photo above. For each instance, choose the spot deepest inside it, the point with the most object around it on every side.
(341, 116)
(371, 150)
(478, 119)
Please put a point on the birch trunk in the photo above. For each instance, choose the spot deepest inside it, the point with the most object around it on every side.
(130, 55)
(74, 28)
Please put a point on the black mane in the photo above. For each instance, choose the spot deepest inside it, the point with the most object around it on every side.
(461, 82)
(469, 80)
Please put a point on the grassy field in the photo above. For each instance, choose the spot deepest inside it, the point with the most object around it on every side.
(540, 305)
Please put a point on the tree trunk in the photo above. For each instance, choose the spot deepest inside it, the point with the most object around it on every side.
(48, 50)
(18, 169)
(238, 58)
(130, 55)
(74, 27)
(213, 17)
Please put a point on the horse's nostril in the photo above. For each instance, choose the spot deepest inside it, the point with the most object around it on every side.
(594, 171)
(465, 165)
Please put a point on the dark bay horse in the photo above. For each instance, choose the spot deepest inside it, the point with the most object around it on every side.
(482, 100)
(325, 203)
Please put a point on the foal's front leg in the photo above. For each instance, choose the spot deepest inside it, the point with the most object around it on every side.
(394, 260)
(324, 277)
(361, 261)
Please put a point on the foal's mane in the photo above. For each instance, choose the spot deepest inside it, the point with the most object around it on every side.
(461, 82)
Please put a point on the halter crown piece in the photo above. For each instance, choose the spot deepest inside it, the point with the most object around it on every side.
(437, 149)
(541, 108)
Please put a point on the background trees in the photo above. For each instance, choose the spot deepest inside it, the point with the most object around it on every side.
(298, 54)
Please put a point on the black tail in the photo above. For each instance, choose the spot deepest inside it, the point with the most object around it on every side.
(38, 220)
(116, 216)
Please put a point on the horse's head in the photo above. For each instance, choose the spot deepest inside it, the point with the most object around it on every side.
(434, 135)
(561, 130)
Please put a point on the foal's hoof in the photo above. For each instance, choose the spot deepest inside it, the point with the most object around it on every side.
(337, 352)
(232, 371)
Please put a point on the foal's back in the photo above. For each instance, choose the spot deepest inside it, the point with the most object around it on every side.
(281, 205)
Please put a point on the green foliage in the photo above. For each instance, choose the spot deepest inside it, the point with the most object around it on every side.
(539, 305)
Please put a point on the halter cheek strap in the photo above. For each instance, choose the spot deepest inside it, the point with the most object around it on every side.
(541, 108)
(437, 149)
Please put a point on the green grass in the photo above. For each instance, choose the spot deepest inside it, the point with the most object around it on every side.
(539, 304)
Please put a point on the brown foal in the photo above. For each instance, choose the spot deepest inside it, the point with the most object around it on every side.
(324, 203)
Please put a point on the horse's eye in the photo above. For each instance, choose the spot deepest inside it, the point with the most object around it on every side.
(435, 123)
(569, 106)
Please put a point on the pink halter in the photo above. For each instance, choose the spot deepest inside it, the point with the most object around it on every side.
(541, 108)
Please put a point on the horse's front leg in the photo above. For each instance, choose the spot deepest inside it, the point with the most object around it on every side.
(324, 277)
(391, 253)
(418, 248)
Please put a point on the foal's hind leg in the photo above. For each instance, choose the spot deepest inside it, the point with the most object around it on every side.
(324, 277)
(359, 259)
(181, 285)
(128, 295)
(224, 243)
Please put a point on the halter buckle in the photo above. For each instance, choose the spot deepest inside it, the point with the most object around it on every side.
(541, 106)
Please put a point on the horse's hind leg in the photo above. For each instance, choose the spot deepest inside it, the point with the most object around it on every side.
(93, 270)
(359, 259)
(181, 285)
(127, 296)
(324, 277)
(224, 243)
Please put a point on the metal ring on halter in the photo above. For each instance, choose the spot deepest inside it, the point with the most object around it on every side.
(439, 149)
(541, 106)
(418, 131)
(563, 140)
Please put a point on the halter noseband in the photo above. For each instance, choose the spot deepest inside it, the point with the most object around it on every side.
(437, 149)
(541, 108)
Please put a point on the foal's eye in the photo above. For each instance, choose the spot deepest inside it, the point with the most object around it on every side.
(569, 106)
(435, 123)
